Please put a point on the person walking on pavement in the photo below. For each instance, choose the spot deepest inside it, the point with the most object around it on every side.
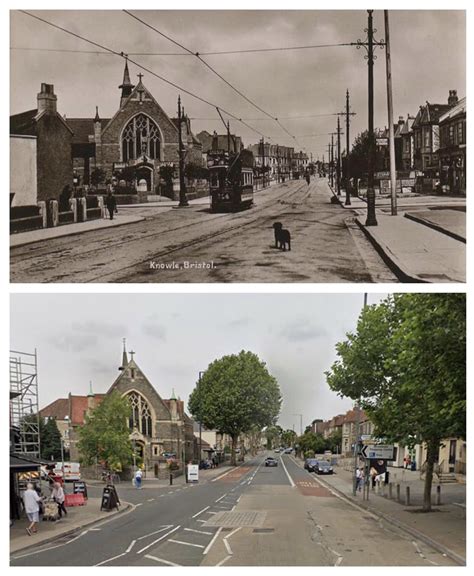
(138, 479)
(58, 496)
(111, 204)
(32, 501)
(308, 178)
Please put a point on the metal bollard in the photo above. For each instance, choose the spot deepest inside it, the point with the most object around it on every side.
(438, 494)
(390, 491)
(398, 492)
(407, 496)
(171, 478)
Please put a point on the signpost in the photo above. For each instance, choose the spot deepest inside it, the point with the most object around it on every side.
(377, 451)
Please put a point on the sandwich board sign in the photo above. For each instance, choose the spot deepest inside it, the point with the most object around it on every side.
(377, 451)
(193, 473)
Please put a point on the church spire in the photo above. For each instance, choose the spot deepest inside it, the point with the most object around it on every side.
(126, 85)
(97, 117)
(124, 355)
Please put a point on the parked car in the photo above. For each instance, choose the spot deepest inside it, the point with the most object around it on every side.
(309, 464)
(277, 450)
(323, 467)
(288, 450)
(271, 461)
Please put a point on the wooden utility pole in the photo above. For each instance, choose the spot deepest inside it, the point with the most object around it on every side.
(393, 172)
(338, 166)
(348, 170)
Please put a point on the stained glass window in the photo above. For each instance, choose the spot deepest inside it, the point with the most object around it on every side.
(140, 137)
(140, 417)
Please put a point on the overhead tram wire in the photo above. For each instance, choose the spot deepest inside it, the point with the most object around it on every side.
(198, 56)
(162, 78)
(218, 53)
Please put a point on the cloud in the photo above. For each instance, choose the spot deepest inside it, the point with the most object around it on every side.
(154, 328)
(302, 331)
(85, 335)
(239, 323)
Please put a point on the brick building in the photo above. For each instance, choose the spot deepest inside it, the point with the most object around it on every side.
(452, 148)
(157, 425)
(52, 154)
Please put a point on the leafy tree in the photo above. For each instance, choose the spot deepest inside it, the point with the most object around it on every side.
(167, 173)
(359, 155)
(105, 434)
(50, 440)
(311, 442)
(407, 365)
(334, 441)
(97, 176)
(288, 438)
(273, 434)
(235, 393)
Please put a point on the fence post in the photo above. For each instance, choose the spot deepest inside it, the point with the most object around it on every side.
(43, 213)
(438, 494)
(407, 496)
(398, 492)
(73, 206)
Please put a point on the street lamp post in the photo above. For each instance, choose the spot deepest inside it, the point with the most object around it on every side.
(356, 440)
(200, 426)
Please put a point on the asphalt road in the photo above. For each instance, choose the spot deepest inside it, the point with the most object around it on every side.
(301, 523)
(193, 245)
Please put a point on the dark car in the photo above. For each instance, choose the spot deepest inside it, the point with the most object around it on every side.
(323, 467)
(271, 462)
(309, 464)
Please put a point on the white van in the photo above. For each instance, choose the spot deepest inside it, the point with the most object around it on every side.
(72, 470)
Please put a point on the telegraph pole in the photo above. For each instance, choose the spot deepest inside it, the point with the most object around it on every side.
(332, 160)
(369, 46)
(228, 137)
(348, 171)
(183, 201)
(388, 62)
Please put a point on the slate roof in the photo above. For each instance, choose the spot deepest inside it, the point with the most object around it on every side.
(24, 123)
(430, 114)
(83, 128)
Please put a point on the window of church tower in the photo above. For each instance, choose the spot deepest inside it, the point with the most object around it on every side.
(140, 417)
(140, 137)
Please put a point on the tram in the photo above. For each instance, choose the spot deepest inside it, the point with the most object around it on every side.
(230, 180)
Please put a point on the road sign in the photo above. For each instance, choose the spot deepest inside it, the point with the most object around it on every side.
(377, 451)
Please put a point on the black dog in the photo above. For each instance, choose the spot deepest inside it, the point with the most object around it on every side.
(282, 236)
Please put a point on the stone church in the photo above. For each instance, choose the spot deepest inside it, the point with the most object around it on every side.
(139, 135)
(158, 427)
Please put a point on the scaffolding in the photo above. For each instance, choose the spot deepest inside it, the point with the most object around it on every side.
(24, 405)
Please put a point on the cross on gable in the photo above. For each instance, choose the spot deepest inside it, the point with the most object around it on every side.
(132, 353)
(140, 76)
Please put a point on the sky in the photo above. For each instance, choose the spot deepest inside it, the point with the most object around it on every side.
(78, 338)
(428, 59)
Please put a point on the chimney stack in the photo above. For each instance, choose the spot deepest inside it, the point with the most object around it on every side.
(453, 98)
(47, 99)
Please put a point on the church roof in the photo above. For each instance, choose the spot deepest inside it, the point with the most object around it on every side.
(83, 128)
(58, 409)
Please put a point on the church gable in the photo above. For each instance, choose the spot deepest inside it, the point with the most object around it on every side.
(140, 101)
(133, 379)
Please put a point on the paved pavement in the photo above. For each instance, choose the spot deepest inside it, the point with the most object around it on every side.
(444, 528)
(78, 517)
(419, 244)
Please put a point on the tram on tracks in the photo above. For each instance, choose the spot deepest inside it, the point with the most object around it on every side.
(230, 180)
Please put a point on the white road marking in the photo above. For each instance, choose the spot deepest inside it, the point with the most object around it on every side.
(200, 512)
(338, 561)
(289, 477)
(238, 499)
(209, 546)
(221, 498)
(209, 512)
(156, 531)
(51, 547)
(186, 543)
(203, 521)
(95, 529)
(156, 559)
(223, 561)
(228, 472)
(110, 559)
(158, 539)
(132, 544)
(227, 545)
(198, 531)
(137, 505)
(150, 499)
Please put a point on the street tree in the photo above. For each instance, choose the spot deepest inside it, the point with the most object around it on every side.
(311, 443)
(105, 436)
(406, 365)
(50, 440)
(273, 435)
(288, 438)
(235, 393)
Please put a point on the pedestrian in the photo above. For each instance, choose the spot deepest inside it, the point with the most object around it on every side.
(58, 496)
(308, 178)
(138, 479)
(215, 461)
(111, 204)
(359, 478)
(32, 502)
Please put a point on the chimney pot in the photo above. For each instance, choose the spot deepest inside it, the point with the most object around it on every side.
(47, 99)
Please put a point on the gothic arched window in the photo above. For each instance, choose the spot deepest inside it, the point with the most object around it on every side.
(140, 417)
(140, 137)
